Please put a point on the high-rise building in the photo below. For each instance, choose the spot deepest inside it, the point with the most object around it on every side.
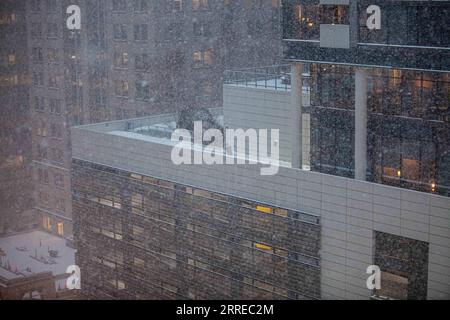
(130, 59)
(15, 134)
(363, 119)
(380, 88)
(56, 99)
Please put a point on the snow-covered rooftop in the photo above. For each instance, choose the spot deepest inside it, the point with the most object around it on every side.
(29, 253)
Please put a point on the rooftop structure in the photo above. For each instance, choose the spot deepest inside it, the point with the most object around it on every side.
(29, 259)
(130, 183)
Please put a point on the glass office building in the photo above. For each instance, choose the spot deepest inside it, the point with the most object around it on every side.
(380, 95)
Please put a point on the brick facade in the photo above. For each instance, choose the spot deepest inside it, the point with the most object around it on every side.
(140, 237)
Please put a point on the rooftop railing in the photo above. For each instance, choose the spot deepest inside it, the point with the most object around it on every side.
(270, 77)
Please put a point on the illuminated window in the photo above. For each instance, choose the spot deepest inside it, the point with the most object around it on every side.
(263, 247)
(47, 223)
(60, 229)
(197, 58)
(12, 59)
(208, 57)
(264, 209)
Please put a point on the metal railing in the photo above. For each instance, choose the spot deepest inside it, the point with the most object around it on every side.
(271, 77)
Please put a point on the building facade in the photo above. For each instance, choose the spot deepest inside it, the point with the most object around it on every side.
(369, 166)
(130, 59)
(15, 134)
(140, 237)
(147, 228)
(380, 90)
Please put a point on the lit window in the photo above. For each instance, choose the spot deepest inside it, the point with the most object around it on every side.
(263, 247)
(60, 229)
(12, 59)
(264, 209)
(47, 223)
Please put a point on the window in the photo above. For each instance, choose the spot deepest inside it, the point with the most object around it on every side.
(178, 5)
(393, 286)
(57, 155)
(47, 223)
(39, 104)
(208, 57)
(137, 203)
(138, 262)
(199, 4)
(43, 176)
(120, 32)
(36, 55)
(334, 14)
(11, 59)
(59, 180)
(44, 200)
(53, 55)
(55, 106)
(201, 29)
(60, 204)
(118, 284)
(142, 90)
(36, 30)
(121, 88)
(42, 152)
(141, 61)
(119, 5)
(264, 209)
(140, 32)
(121, 59)
(140, 5)
(56, 131)
(263, 247)
(52, 5)
(53, 81)
(203, 58)
(52, 30)
(60, 229)
(42, 129)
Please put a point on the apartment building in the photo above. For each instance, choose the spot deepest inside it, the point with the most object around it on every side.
(130, 59)
(15, 136)
(56, 95)
(362, 182)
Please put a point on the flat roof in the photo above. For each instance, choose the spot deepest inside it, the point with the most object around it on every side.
(28, 253)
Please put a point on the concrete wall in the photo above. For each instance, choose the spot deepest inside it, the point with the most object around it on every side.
(350, 210)
(260, 108)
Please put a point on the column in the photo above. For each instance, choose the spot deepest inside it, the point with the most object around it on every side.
(360, 124)
(296, 107)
